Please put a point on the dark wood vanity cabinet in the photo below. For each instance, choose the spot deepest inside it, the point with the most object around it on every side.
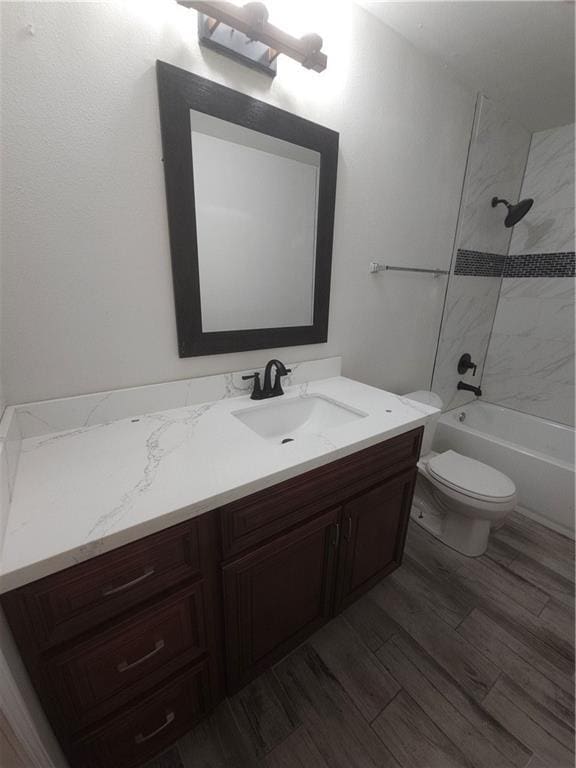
(374, 527)
(280, 593)
(312, 545)
(277, 595)
(150, 725)
(127, 650)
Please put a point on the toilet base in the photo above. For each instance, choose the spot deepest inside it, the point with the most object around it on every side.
(469, 537)
(466, 535)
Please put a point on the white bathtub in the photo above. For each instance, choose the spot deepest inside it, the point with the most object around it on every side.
(537, 454)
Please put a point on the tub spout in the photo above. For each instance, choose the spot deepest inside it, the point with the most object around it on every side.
(470, 388)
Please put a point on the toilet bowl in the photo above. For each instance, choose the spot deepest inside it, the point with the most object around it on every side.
(458, 499)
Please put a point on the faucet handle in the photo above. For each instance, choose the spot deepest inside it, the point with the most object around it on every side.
(465, 364)
(257, 389)
(277, 388)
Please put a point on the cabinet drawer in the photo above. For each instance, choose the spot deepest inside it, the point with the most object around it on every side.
(99, 675)
(62, 606)
(265, 514)
(136, 735)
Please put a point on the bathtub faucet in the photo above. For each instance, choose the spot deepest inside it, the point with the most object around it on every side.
(470, 388)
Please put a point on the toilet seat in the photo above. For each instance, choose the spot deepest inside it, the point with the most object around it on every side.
(471, 478)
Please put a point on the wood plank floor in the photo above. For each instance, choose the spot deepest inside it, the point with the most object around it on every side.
(450, 662)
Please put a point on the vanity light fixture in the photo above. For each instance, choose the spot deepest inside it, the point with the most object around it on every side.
(245, 34)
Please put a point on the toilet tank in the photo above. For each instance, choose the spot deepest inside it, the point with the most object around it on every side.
(428, 398)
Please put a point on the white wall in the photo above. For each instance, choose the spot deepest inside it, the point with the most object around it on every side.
(2, 396)
(87, 284)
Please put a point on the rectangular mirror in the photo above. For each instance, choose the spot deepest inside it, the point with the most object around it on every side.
(256, 210)
(250, 191)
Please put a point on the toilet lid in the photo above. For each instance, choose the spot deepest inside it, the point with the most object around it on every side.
(471, 477)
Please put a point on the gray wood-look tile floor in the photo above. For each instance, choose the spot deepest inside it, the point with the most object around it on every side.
(450, 662)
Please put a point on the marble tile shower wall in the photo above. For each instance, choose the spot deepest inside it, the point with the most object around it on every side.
(530, 361)
(496, 164)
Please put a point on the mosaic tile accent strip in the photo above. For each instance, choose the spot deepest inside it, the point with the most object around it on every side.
(478, 264)
(541, 265)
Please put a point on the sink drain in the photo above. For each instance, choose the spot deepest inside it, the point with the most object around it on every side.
(287, 440)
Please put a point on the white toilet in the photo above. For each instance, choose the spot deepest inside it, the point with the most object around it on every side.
(458, 499)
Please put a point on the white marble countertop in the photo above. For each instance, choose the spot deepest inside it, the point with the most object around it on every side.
(83, 492)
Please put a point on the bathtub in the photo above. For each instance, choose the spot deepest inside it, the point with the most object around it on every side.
(537, 454)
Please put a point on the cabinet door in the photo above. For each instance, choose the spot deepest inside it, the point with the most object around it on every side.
(374, 528)
(278, 595)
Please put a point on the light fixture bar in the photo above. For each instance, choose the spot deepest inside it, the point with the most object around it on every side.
(251, 20)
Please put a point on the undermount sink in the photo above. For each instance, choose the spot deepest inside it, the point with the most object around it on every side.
(284, 420)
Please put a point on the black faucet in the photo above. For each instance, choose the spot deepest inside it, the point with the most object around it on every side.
(269, 389)
(469, 388)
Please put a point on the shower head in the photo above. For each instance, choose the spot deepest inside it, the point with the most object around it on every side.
(515, 212)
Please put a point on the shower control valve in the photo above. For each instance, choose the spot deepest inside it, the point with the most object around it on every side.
(465, 364)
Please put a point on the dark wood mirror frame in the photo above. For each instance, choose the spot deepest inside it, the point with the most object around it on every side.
(180, 91)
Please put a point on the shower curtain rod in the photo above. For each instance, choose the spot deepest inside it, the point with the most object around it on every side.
(375, 267)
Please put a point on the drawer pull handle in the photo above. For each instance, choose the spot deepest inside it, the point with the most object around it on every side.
(114, 591)
(140, 738)
(124, 666)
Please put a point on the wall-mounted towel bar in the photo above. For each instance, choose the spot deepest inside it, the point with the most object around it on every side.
(375, 267)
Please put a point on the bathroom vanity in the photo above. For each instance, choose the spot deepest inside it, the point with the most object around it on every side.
(129, 648)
